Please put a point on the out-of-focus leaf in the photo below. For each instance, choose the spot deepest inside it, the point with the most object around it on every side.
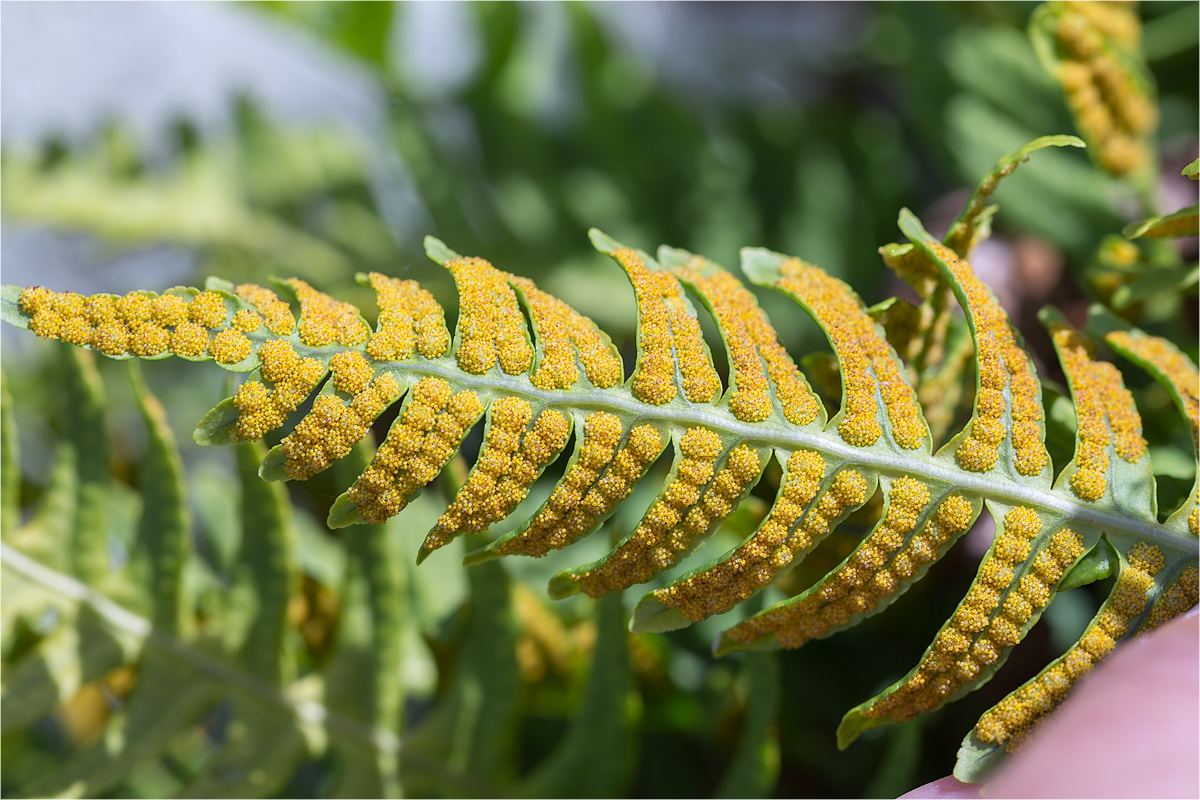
(755, 766)
(10, 464)
(596, 757)
(472, 731)
(1182, 223)
(85, 429)
(164, 532)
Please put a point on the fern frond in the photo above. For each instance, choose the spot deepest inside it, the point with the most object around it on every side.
(1093, 50)
(539, 373)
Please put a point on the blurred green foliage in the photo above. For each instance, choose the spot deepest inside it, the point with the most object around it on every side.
(497, 686)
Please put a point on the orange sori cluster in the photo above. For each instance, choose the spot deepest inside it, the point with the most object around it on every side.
(1111, 109)
(410, 320)
(512, 456)
(857, 586)
(1194, 516)
(1013, 716)
(333, 427)
(1105, 410)
(753, 565)
(140, 323)
(261, 409)
(420, 442)
(602, 476)
(687, 509)
(560, 331)
(491, 326)
(668, 337)
(276, 313)
(1002, 363)
(324, 320)
(848, 490)
(759, 362)
(1165, 359)
(865, 356)
(1174, 600)
(983, 626)
(1116, 20)
(912, 266)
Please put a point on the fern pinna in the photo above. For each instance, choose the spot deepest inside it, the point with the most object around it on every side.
(539, 373)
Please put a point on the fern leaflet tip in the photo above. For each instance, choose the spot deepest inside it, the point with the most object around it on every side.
(437, 250)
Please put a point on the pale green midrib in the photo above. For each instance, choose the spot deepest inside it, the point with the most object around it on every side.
(140, 628)
(619, 400)
(786, 438)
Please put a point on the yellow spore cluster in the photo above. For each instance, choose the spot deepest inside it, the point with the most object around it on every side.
(668, 336)
(410, 320)
(1002, 364)
(984, 624)
(207, 310)
(866, 360)
(331, 429)
(1177, 598)
(1194, 514)
(246, 321)
(1105, 409)
(324, 320)
(561, 331)
(602, 476)
(867, 576)
(229, 346)
(139, 323)
(848, 490)
(1112, 109)
(425, 436)
(277, 314)
(857, 585)
(351, 371)
(762, 369)
(491, 327)
(512, 456)
(1116, 20)
(912, 266)
(1163, 358)
(1013, 716)
(687, 509)
(753, 565)
(263, 409)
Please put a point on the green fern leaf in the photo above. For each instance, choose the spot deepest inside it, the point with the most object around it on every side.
(1185, 222)
(597, 754)
(10, 464)
(755, 766)
(472, 730)
(537, 373)
(363, 680)
(62, 634)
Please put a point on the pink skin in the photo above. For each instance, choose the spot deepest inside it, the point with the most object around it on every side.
(1129, 729)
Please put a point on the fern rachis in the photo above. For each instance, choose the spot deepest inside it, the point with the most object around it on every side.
(535, 384)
